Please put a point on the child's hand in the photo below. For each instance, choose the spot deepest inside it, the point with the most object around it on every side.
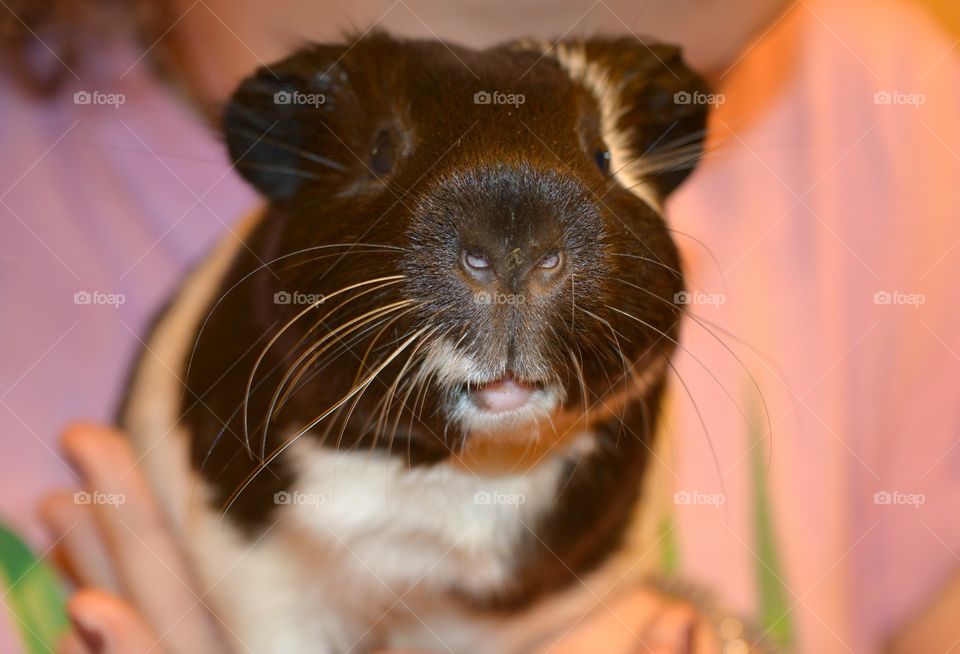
(119, 545)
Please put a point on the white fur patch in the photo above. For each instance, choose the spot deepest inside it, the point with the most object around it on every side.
(572, 57)
(363, 552)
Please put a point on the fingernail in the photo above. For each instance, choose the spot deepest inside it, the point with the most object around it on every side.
(91, 638)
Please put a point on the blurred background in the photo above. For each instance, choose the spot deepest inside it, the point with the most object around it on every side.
(819, 234)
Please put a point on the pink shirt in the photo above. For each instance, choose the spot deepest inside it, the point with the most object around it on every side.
(103, 201)
(822, 232)
(830, 214)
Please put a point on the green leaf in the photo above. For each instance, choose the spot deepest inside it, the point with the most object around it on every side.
(774, 609)
(32, 593)
(669, 548)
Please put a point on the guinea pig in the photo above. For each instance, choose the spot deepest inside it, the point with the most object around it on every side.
(413, 402)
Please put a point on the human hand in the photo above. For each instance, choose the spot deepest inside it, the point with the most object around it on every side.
(136, 592)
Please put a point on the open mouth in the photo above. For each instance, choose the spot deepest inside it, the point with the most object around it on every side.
(503, 395)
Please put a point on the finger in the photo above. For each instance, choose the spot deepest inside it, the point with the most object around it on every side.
(151, 568)
(612, 627)
(106, 625)
(72, 643)
(672, 630)
(706, 639)
(80, 547)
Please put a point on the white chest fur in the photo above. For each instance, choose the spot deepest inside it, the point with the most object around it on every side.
(362, 551)
(438, 527)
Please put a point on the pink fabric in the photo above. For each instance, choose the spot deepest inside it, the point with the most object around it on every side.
(815, 199)
(95, 198)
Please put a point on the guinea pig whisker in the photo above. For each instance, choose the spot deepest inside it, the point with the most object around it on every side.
(707, 249)
(236, 411)
(700, 363)
(403, 376)
(687, 142)
(344, 343)
(375, 249)
(381, 324)
(420, 381)
(578, 367)
(423, 382)
(396, 382)
(368, 320)
(650, 163)
(753, 380)
(694, 136)
(675, 151)
(613, 332)
(354, 339)
(281, 170)
(314, 352)
(314, 422)
(379, 407)
(679, 154)
(246, 277)
(279, 334)
(701, 419)
(303, 154)
(321, 320)
(360, 369)
(706, 326)
(225, 424)
(614, 340)
(676, 272)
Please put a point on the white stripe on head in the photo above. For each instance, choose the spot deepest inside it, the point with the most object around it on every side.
(572, 57)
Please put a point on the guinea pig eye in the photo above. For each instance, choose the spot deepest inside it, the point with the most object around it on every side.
(475, 261)
(550, 261)
(602, 158)
(383, 153)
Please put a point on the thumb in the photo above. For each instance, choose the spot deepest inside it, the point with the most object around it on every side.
(107, 625)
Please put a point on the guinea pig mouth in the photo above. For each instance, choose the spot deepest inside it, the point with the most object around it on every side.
(503, 395)
(504, 403)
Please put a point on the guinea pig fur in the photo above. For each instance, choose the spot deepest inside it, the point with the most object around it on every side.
(421, 396)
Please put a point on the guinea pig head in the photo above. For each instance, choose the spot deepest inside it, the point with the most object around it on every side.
(483, 228)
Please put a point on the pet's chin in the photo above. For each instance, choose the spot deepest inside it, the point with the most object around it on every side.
(504, 405)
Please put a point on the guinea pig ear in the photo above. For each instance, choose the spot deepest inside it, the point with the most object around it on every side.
(278, 123)
(653, 107)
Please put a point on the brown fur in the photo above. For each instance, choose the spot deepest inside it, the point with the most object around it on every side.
(398, 172)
